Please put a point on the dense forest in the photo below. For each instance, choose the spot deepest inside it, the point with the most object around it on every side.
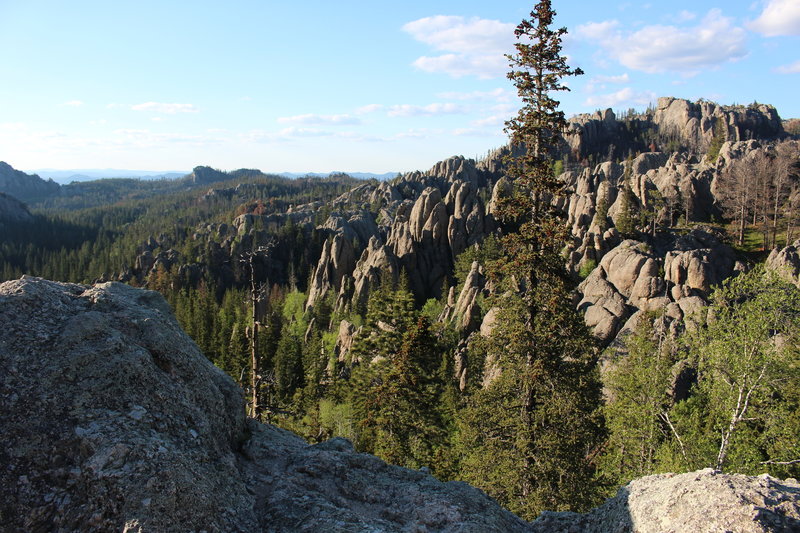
(476, 353)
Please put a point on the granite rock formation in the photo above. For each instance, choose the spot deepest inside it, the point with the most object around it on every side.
(703, 502)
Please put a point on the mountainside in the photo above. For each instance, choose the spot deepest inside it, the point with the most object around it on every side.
(113, 420)
(12, 210)
(26, 187)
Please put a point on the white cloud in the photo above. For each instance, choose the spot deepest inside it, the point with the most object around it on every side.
(73, 103)
(417, 133)
(474, 46)
(159, 107)
(780, 17)
(623, 97)
(793, 68)
(407, 110)
(311, 119)
(713, 41)
(596, 31)
(370, 108)
(303, 132)
(494, 120)
(685, 16)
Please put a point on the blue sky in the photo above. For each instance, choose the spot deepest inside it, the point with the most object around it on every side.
(350, 85)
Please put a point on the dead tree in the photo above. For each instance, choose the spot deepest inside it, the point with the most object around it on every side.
(259, 292)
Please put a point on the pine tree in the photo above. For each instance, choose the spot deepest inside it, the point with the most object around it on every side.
(528, 436)
(638, 388)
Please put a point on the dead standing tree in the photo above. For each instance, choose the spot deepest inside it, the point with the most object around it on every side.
(259, 292)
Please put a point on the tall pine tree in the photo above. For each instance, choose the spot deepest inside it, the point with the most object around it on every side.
(529, 435)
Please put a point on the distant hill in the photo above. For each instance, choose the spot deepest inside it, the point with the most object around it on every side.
(25, 187)
(72, 175)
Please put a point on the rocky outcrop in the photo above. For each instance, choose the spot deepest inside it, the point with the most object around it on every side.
(26, 187)
(12, 210)
(337, 260)
(786, 262)
(704, 502)
(424, 220)
(691, 125)
(694, 122)
(114, 421)
(674, 277)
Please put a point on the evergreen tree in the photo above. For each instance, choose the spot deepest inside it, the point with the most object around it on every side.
(401, 403)
(638, 390)
(529, 435)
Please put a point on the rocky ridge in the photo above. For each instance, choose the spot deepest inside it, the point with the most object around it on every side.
(24, 186)
(113, 420)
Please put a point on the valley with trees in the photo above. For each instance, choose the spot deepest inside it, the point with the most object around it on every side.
(607, 297)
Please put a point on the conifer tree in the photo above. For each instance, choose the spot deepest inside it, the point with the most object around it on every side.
(528, 436)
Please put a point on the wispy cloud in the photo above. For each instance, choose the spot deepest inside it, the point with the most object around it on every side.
(713, 41)
(370, 108)
(685, 16)
(792, 68)
(497, 95)
(494, 120)
(780, 17)
(599, 82)
(472, 46)
(311, 119)
(160, 107)
(407, 110)
(73, 103)
(623, 97)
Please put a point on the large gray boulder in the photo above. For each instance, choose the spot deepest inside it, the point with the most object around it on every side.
(701, 502)
(112, 420)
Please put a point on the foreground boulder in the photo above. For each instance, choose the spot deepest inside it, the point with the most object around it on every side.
(112, 420)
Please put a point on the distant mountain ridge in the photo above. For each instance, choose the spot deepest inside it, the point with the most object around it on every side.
(66, 176)
(69, 175)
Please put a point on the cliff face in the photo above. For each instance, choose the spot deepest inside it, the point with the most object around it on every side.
(113, 421)
(691, 125)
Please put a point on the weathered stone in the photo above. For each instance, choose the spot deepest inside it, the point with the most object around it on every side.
(786, 262)
(704, 501)
(125, 426)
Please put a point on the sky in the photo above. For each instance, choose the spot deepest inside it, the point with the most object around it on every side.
(352, 85)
